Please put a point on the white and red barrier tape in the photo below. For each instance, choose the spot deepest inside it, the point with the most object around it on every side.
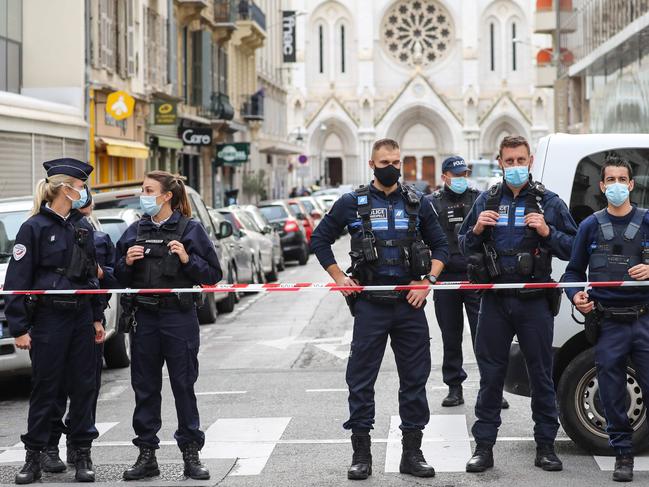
(312, 286)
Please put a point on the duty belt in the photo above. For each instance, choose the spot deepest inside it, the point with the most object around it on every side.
(156, 301)
(521, 293)
(627, 314)
(383, 296)
(63, 302)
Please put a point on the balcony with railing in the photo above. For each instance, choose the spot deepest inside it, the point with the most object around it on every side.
(219, 110)
(249, 10)
(251, 25)
(225, 12)
(252, 108)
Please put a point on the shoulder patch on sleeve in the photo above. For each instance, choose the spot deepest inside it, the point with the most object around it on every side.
(19, 251)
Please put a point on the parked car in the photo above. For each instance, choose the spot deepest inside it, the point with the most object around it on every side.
(570, 166)
(130, 199)
(291, 231)
(313, 208)
(326, 200)
(115, 221)
(13, 212)
(301, 213)
(227, 259)
(243, 247)
(270, 231)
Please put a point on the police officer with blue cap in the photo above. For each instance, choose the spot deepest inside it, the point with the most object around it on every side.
(395, 239)
(614, 245)
(54, 250)
(511, 234)
(105, 255)
(165, 249)
(452, 204)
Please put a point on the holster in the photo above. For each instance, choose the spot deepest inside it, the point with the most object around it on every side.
(554, 300)
(593, 326)
(126, 322)
(351, 303)
(31, 302)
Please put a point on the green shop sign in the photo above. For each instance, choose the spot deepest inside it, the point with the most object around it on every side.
(235, 153)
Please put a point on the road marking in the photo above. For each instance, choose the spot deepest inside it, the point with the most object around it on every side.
(112, 393)
(607, 464)
(326, 390)
(250, 440)
(218, 393)
(446, 443)
(17, 452)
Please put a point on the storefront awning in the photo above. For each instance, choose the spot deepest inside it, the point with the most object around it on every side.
(170, 142)
(280, 148)
(125, 148)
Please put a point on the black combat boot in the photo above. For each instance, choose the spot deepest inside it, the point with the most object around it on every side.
(69, 453)
(194, 469)
(623, 468)
(454, 398)
(504, 404)
(482, 459)
(51, 461)
(146, 465)
(547, 459)
(31, 471)
(361, 467)
(412, 459)
(83, 465)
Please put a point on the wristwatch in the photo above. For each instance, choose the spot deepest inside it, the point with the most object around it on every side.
(430, 278)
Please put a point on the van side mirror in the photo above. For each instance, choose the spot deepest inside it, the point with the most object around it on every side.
(225, 230)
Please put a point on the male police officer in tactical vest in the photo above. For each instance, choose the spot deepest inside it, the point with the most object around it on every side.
(510, 235)
(395, 239)
(452, 203)
(614, 245)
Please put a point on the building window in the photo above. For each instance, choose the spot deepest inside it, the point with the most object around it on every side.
(342, 48)
(185, 64)
(514, 46)
(10, 45)
(321, 48)
(197, 68)
(222, 71)
(492, 47)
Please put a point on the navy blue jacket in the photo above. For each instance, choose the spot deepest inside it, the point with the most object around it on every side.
(508, 234)
(344, 213)
(43, 243)
(203, 266)
(585, 242)
(105, 251)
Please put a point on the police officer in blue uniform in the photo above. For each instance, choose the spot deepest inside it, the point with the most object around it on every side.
(614, 245)
(105, 256)
(452, 203)
(54, 250)
(393, 231)
(165, 249)
(510, 235)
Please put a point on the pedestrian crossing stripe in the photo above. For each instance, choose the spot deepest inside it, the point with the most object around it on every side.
(252, 441)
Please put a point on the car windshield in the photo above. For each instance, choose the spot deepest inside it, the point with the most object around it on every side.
(274, 213)
(114, 227)
(248, 222)
(9, 225)
(308, 205)
(295, 207)
(484, 170)
(132, 202)
(232, 219)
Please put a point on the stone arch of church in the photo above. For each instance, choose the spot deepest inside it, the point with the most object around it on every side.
(332, 164)
(494, 133)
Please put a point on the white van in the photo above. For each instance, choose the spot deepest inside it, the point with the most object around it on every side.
(570, 166)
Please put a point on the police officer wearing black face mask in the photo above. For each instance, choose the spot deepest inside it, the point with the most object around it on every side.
(54, 250)
(395, 239)
(511, 234)
(165, 249)
(614, 245)
(452, 204)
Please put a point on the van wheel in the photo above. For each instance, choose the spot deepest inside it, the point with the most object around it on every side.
(581, 411)
(117, 351)
(207, 312)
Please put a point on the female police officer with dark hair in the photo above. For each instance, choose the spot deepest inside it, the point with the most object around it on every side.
(165, 249)
(54, 250)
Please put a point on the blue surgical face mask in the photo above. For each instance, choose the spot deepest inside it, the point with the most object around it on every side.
(83, 198)
(459, 185)
(517, 176)
(617, 193)
(149, 205)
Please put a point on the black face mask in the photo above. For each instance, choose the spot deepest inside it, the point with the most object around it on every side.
(387, 176)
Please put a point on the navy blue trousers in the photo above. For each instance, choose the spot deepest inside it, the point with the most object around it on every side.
(171, 337)
(617, 343)
(410, 340)
(502, 317)
(449, 306)
(63, 349)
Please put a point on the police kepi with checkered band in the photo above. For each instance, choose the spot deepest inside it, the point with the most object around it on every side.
(455, 164)
(69, 167)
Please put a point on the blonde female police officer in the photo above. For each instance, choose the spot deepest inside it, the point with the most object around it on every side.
(54, 250)
(165, 249)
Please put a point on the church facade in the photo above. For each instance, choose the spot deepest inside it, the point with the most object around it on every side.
(441, 77)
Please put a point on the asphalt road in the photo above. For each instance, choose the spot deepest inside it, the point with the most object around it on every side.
(272, 398)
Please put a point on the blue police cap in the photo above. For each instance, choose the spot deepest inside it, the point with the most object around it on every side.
(455, 164)
(69, 167)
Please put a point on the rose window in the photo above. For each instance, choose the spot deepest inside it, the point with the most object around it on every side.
(417, 32)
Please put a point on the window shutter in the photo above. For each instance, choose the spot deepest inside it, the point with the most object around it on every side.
(121, 38)
(130, 39)
(162, 58)
(103, 32)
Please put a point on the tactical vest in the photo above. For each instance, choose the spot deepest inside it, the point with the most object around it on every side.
(82, 265)
(529, 260)
(452, 210)
(617, 248)
(380, 250)
(160, 268)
